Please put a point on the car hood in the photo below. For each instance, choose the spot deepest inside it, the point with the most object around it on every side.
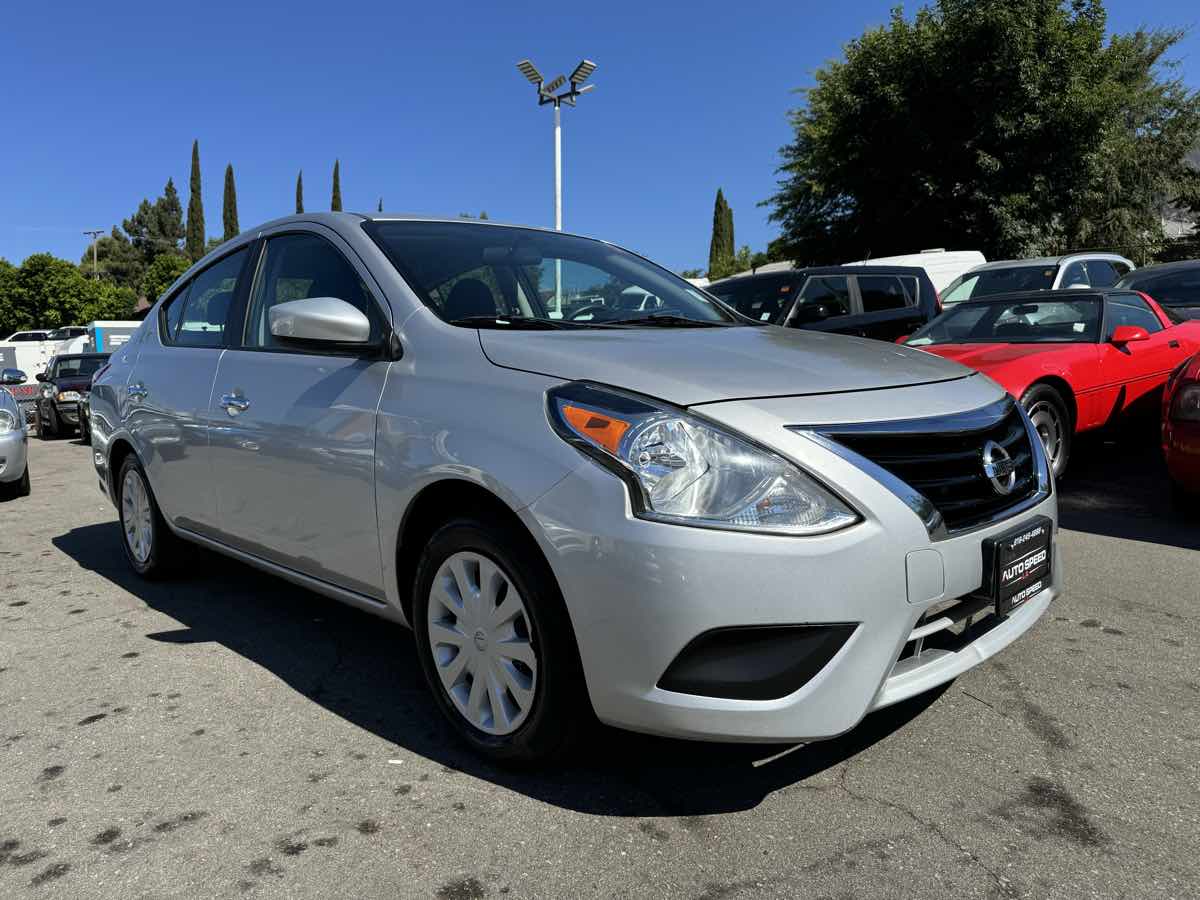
(687, 366)
(985, 356)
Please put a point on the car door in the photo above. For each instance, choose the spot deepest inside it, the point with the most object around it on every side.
(165, 407)
(887, 306)
(1138, 369)
(293, 435)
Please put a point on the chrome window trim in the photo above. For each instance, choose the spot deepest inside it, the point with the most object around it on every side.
(972, 420)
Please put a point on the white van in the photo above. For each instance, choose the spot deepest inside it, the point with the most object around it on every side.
(942, 266)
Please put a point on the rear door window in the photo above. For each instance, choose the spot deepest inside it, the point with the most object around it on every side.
(1075, 274)
(881, 293)
(206, 307)
(830, 291)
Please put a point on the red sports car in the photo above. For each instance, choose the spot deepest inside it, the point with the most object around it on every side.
(1077, 359)
(1181, 429)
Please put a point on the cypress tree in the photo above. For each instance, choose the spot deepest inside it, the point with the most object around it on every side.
(300, 191)
(380, 208)
(336, 203)
(229, 213)
(194, 242)
(720, 248)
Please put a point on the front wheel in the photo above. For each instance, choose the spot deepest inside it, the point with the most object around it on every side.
(1048, 412)
(495, 643)
(19, 488)
(44, 430)
(149, 544)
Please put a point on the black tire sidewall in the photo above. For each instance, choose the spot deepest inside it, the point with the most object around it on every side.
(157, 564)
(558, 695)
(1040, 392)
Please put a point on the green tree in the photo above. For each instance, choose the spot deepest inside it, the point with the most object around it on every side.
(194, 244)
(161, 274)
(300, 191)
(229, 207)
(336, 202)
(156, 227)
(692, 273)
(48, 292)
(12, 313)
(1012, 126)
(720, 248)
(380, 207)
(117, 260)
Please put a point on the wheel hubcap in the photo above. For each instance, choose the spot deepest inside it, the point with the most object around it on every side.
(135, 516)
(481, 640)
(1049, 427)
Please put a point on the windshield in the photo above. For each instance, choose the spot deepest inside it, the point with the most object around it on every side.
(499, 276)
(1014, 322)
(761, 297)
(1009, 280)
(78, 366)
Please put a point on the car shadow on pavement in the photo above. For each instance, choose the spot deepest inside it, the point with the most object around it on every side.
(1116, 485)
(366, 671)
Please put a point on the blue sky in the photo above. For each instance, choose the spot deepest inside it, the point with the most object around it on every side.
(423, 105)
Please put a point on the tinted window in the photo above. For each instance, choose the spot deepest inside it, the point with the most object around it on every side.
(1074, 274)
(985, 282)
(29, 336)
(297, 266)
(205, 307)
(1017, 322)
(78, 366)
(469, 272)
(830, 291)
(1121, 268)
(1101, 273)
(764, 297)
(173, 313)
(1174, 289)
(883, 292)
(1130, 309)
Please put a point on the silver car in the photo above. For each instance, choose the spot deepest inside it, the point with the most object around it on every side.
(670, 517)
(14, 439)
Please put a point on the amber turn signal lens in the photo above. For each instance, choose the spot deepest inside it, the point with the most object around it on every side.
(602, 430)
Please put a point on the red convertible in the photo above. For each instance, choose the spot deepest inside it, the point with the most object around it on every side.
(1077, 359)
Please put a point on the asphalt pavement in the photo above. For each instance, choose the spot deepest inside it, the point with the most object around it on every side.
(228, 735)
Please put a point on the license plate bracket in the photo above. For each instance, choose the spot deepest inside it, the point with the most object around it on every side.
(1017, 564)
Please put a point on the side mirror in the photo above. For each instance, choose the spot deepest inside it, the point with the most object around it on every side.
(811, 312)
(40, 376)
(12, 376)
(1128, 334)
(327, 320)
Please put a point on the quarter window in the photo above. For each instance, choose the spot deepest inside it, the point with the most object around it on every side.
(1101, 273)
(299, 266)
(881, 293)
(1130, 309)
(1075, 274)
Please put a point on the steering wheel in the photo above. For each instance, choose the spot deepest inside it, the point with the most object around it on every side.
(584, 310)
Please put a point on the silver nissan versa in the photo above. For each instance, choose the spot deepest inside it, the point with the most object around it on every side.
(588, 487)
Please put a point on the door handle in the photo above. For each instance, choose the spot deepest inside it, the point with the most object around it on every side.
(1174, 345)
(137, 392)
(234, 403)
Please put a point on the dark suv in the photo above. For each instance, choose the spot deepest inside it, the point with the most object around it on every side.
(883, 302)
(66, 380)
(1173, 285)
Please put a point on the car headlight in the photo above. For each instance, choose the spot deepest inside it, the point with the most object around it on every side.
(1186, 405)
(685, 470)
(8, 422)
(68, 396)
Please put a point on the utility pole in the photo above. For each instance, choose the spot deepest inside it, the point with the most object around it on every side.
(546, 94)
(95, 235)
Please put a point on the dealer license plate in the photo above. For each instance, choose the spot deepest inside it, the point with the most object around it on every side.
(1016, 564)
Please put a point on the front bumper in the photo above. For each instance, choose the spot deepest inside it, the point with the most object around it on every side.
(14, 454)
(67, 411)
(639, 592)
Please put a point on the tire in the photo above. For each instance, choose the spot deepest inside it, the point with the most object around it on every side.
(43, 427)
(149, 544)
(1048, 411)
(85, 431)
(24, 486)
(527, 658)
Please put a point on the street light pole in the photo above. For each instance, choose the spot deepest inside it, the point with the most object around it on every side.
(95, 236)
(546, 93)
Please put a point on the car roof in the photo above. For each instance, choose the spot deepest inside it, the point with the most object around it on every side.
(1035, 261)
(1162, 269)
(62, 356)
(915, 271)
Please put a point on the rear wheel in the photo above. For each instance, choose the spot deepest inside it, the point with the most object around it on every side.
(149, 544)
(1048, 412)
(495, 643)
(45, 429)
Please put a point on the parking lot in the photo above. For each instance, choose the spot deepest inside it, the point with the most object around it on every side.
(227, 734)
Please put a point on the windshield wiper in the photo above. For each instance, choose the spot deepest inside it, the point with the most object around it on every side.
(514, 322)
(667, 320)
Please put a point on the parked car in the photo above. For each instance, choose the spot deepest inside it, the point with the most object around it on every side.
(85, 413)
(1076, 359)
(1181, 432)
(14, 439)
(1047, 273)
(65, 380)
(665, 518)
(27, 336)
(882, 302)
(942, 266)
(1173, 285)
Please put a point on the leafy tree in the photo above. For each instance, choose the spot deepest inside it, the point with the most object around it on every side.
(335, 203)
(300, 191)
(48, 292)
(229, 207)
(117, 260)
(692, 273)
(1078, 139)
(483, 214)
(720, 248)
(194, 244)
(161, 274)
(12, 315)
